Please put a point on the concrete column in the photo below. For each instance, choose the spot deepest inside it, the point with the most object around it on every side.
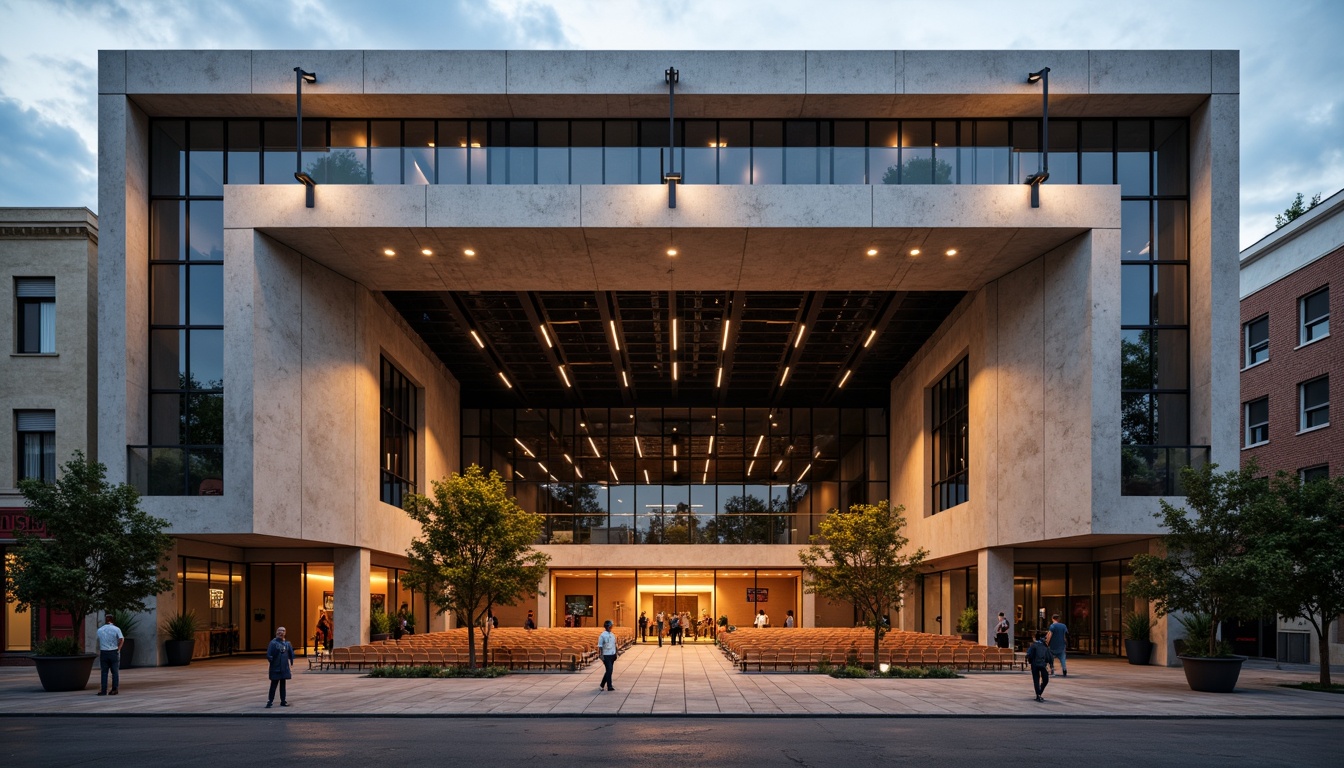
(994, 588)
(809, 617)
(351, 571)
(544, 601)
(435, 621)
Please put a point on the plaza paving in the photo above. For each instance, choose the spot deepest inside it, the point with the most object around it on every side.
(676, 681)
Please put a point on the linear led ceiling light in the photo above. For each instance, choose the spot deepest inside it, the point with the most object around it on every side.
(1039, 178)
(301, 77)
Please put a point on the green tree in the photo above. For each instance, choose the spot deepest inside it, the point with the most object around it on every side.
(1302, 534)
(859, 557)
(1296, 209)
(101, 552)
(919, 170)
(1212, 566)
(338, 167)
(475, 548)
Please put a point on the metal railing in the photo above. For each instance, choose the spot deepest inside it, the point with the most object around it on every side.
(176, 470)
(1155, 470)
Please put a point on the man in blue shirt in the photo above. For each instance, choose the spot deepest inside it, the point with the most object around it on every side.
(606, 645)
(109, 654)
(1057, 637)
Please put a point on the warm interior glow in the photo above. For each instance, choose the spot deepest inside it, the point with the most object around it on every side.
(951, 251)
(759, 440)
(646, 477)
(671, 251)
(779, 464)
(845, 378)
(751, 466)
(527, 450)
(546, 336)
(801, 330)
(804, 473)
(615, 339)
(504, 379)
(674, 335)
(914, 251)
(718, 378)
(726, 323)
(872, 251)
(468, 252)
(614, 476)
(426, 251)
(785, 377)
(565, 376)
(389, 252)
(869, 340)
(477, 339)
(674, 370)
(625, 381)
(639, 449)
(711, 446)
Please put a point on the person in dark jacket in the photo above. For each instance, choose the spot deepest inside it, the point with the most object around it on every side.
(280, 654)
(1038, 658)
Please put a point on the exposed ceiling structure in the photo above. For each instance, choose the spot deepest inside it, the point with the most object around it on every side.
(694, 348)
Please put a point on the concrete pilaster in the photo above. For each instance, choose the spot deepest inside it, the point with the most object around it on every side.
(543, 602)
(994, 586)
(351, 570)
(809, 618)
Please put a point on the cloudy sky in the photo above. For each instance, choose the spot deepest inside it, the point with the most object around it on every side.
(1292, 76)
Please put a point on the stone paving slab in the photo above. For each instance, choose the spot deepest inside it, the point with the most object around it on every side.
(694, 680)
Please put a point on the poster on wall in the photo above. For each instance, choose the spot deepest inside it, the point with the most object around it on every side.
(328, 601)
(758, 594)
(579, 605)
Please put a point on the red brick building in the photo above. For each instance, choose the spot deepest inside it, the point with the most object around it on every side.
(1292, 367)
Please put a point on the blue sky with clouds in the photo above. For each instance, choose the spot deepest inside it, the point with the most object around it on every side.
(1292, 77)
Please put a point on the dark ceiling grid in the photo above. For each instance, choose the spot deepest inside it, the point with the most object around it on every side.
(763, 327)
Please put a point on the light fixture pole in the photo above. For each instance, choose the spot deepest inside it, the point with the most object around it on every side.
(1039, 178)
(671, 176)
(300, 77)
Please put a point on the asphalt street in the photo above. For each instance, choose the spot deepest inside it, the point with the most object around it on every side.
(284, 739)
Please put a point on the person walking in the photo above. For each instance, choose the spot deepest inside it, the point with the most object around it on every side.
(110, 640)
(1057, 637)
(643, 627)
(762, 621)
(660, 618)
(1038, 657)
(606, 645)
(530, 622)
(788, 620)
(674, 628)
(1001, 631)
(280, 654)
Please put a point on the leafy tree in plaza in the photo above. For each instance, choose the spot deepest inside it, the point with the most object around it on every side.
(1214, 565)
(101, 550)
(1296, 209)
(1301, 536)
(338, 167)
(859, 557)
(474, 550)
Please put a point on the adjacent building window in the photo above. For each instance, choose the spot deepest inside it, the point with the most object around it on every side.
(1321, 472)
(1314, 403)
(950, 401)
(36, 315)
(1256, 339)
(398, 413)
(1314, 314)
(1257, 422)
(37, 445)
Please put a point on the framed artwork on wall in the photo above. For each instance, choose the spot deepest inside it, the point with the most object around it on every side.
(378, 603)
(328, 601)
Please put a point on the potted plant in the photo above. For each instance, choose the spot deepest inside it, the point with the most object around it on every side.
(126, 622)
(181, 643)
(61, 665)
(380, 626)
(1211, 570)
(1138, 643)
(968, 624)
(99, 551)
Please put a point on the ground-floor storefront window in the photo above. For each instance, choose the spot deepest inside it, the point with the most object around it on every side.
(1089, 598)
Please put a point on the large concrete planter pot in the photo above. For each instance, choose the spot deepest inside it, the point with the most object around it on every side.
(177, 653)
(1139, 652)
(64, 673)
(128, 653)
(1212, 675)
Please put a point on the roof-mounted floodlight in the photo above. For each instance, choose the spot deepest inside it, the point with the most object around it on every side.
(1040, 177)
(301, 77)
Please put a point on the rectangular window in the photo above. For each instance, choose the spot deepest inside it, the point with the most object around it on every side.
(1308, 474)
(36, 314)
(37, 445)
(950, 402)
(1314, 403)
(398, 417)
(1256, 339)
(1314, 316)
(1257, 421)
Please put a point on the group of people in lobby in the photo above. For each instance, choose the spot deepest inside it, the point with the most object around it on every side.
(675, 626)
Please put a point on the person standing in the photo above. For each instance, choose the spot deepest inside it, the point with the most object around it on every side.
(1057, 637)
(674, 628)
(324, 630)
(110, 640)
(761, 621)
(643, 627)
(1038, 657)
(660, 619)
(788, 620)
(1001, 631)
(530, 622)
(606, 645)
(280, 654)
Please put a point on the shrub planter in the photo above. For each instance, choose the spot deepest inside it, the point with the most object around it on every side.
(64, 673)
(177, 653)
(1212, 675)
(128, 653)
(1139, 652)
(379, 637)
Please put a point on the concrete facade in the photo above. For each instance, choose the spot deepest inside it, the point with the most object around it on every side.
(305, 323)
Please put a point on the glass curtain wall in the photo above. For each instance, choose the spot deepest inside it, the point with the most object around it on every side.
(1089, 598)
(681, 475)
(587, 598)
